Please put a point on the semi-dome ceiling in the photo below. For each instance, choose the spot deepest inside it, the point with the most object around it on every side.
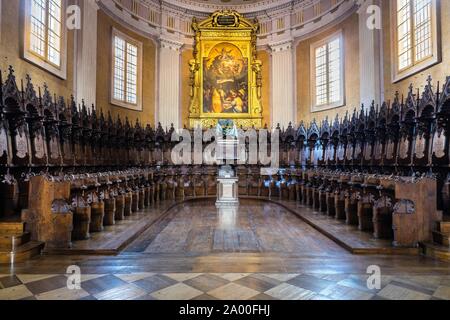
(228, 2)
(245, 6)
(280, 20)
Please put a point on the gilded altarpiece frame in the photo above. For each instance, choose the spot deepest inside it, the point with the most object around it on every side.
(225, 74)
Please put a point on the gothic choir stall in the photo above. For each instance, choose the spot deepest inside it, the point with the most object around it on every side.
(160, 148)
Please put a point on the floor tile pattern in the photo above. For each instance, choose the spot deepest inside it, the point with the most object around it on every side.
(223, 286)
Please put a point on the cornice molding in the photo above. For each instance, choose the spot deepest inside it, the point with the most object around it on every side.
(245, 8)
(328, 21)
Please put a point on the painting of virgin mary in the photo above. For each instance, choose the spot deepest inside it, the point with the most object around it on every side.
(225, 76)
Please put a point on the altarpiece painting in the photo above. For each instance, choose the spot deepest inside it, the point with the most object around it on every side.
(225, 72)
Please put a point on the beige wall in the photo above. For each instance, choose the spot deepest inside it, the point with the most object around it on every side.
(349, 29)
(147, 115)
(11, 53)
(438, 72)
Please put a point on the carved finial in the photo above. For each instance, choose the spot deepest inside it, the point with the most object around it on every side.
(22, 88)
(22, 92)
(438, 93)
(73, 105)
(83, 106)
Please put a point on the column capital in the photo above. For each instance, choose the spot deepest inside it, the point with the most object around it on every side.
(364, 4)
(93, 4)
(170, 44)
(281, 45)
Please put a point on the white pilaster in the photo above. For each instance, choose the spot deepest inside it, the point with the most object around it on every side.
(86, 54)
(283, 68)
(1, 21)
(168, 83)
(370, 52)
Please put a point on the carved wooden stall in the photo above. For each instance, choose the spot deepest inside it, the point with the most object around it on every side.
(49, 217)
(70, 169)
(415, 213)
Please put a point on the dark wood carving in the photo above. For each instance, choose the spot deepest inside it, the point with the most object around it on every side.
(392, 133)
(407, 143)
(14, 112)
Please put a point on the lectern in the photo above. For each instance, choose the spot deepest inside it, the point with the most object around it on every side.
(227, 188)
(227, 151)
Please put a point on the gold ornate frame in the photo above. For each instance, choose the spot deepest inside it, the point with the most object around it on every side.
(230, 27)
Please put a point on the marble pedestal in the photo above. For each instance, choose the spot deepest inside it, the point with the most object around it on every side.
(227, 192)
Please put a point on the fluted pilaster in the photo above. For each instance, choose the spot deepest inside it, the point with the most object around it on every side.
(169, 83)
(370, 64)
(283, 66)
(86, 53)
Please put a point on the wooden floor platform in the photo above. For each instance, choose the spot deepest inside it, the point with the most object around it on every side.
(113, 239)
(265, 237)
(436, 251)
(192, 227)
(256, 226)
(349, 237)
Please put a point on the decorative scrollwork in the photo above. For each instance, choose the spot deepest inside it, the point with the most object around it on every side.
(404, 206)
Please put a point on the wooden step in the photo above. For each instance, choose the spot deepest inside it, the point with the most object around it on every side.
(443, 226)
(12, 228)
(21, 254)
(436, 251)
(10, 242)
(441, 238)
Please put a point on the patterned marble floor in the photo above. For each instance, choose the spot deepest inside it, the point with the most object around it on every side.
(261, 252)
(223, 286)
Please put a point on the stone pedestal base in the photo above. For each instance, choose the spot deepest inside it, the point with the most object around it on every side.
(227, 192)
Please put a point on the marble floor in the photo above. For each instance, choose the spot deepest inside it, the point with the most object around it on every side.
(259, 252)
(223, 286)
